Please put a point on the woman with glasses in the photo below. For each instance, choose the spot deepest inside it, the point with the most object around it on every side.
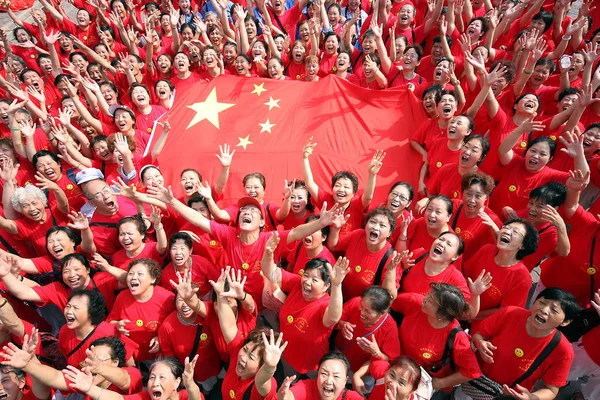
(398, 202)
(428, 322)
(512, 281)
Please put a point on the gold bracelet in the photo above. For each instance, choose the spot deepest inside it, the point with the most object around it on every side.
(3, 304)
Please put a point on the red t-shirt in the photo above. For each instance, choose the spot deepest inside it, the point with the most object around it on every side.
(68, 341)
(506, 330)
(439, 155)
(144, 122)
(384, 331)
(246, 321)
(35, 232)
(233, 386)
(308, 390)
(474, 233)
(301, 323)
(355, 209)
(546, 245)
(177, 340)
(209, 247)
(298, 258)
(510, 285)
(363, 263)
(428, 132)
(246, 258)
(104, 227)
(447, 181)
(417, 280)
(144, 318)
(57, 293)
(425, 344)
(516, 184)
(121, 260)
(572, 273)
(202, 271)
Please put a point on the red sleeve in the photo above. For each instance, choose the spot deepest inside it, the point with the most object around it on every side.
(301, 390)
(517, 295)
(378, 369)
(489, 326)
(164, 335)
(464, 357)
(289, 281)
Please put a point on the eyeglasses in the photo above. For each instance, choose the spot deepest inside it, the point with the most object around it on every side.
(513, 231)
(473, 195)
(104, 192)
(252, 210)
(403, 199)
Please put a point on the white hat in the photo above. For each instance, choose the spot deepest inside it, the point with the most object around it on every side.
(88, 174)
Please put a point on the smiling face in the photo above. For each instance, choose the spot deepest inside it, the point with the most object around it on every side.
(578, 63)
(32, 78)
(59, 245)
(242, 66)
(180, 253)
(441, 69)
(368, 315)
(591, 140)
(250, 218)
(470, 153)
(140, 97)
(275, 69)
(248, 361)
(369, 45)
(130, 237)
(49, 168)
(109, 94)
(474, 198)
(181, 63)
(139, 280)
(458, 128)
(406, 16)
(527, 105)
(182, 308)
(210, 58)
(152, 178)
(510, 237)
(75, 275)
(250, 28)
(299, 200)
(102, 196)
(162, 384)
(410, 60)
(377, 229)
(76, 312)
(445, 248)
(164, 64)
(537, 157)
(436, 214)
(399, 199)
(313, 285)
(343, 191)
(33, 208)
(163, 90)
(474, 30)
(123, 120)
(342, 62)
(189, 180)
(101, 150)
(254, 188)
(331, 379)
(541, 73)
(401, 379)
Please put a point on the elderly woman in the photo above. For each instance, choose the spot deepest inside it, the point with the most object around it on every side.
(32, 204)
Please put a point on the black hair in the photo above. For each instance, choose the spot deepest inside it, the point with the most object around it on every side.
(187, 239)
(171, 362)
(543, 139)
(407, 186)
(468, 118)
(546, 17)
(438, 39)
(511, 69)
(336, 355)
(568, 302)
(26, 70)
(567, 92)
(345, 175)
(417, 50)
(109, 29)
(379, 297)
(117, 348)
(44, 153)
(316, 217)
(485, 145)
(546, 62)
(444, 199)
(320, 264)
(186, 25)
(530, 240)
(461, 243)
(552, 193)
(437, 89)
(138, 221)
(407, 363)
(72, 234)
(451, 301)
(78, 53)
(152, 266)
(76, 256)
(96, 304)
(386, 212)
(485, 24)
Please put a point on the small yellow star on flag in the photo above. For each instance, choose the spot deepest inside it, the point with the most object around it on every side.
(258, 89)
(208, 109)
(266, 127)
(272, 103)
(244, 142)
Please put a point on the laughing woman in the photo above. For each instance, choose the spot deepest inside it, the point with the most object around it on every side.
(308, 307)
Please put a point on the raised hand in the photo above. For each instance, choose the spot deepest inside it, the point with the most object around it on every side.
(368, 346)
(273, 349)
(219, 285)
(284, 390)
(78, 221)
(184, 285)
(273, 242)
(156, 216)
(236, 285)
(578, 180)
(339, 271)
(308, 148)
(377, 162)
(481, 284)
(573, 144)
(549, 214)
(79, 380)
(225, 155)
(45, 183)
(189, 368)
(160, 193)
(100, 262)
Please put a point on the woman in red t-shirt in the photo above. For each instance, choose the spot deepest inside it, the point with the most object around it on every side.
(398, 202)
(476, 224)
(401, 378)
(511, 279)
(296, 206)
(253, 360)
(166, 375)
(428, 321)
(330, 382)
(420, 233)
(133, 235)
(139, 311)
(366, 330)
(308, 306)
(312, 246)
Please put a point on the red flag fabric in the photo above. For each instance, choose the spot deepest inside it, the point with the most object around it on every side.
(268, 123)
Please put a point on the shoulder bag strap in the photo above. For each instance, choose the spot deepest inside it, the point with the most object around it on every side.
(104, 224)
(81, 343)
(540, 358)
(279, 23)
(268, 209)
(418, 260)
(10, 249)
(196, 341)
(593, 247)
(456, 215)
(381, 266)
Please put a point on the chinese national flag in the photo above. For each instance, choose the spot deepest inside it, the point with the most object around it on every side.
(267, 122)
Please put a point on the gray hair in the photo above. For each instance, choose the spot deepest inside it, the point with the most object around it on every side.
(22, 193)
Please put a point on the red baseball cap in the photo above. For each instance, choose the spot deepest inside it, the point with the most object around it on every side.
(244, 201)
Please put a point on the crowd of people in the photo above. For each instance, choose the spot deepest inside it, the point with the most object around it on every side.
(114, 288)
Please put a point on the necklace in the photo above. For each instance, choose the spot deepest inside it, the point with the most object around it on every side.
(240, 252)
(184, 322)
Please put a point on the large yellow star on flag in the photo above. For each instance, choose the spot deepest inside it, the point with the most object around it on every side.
(266, 127)
(244, 142)
(258, 89)
(208, 109)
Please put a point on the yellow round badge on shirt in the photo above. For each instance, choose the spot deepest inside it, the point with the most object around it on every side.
(358, 268)
(426, 355)
(519, 352)
(139, 322)
(232, 394)
(512, 188)
(458, 230)
(69, 187)
(290, 319)
(213, 243)
(301, 272)
(591, 271)
(523, 144)
(245, 265)
(204, 336)
(438, 164)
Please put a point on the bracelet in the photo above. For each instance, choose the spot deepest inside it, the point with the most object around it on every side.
(245, 295)
(12, 128)
(402, 239)
(158, 227)
(527, 72)
(78, 165)
(51, 138)
(3, 304)
(565, 37)
(21, 278)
